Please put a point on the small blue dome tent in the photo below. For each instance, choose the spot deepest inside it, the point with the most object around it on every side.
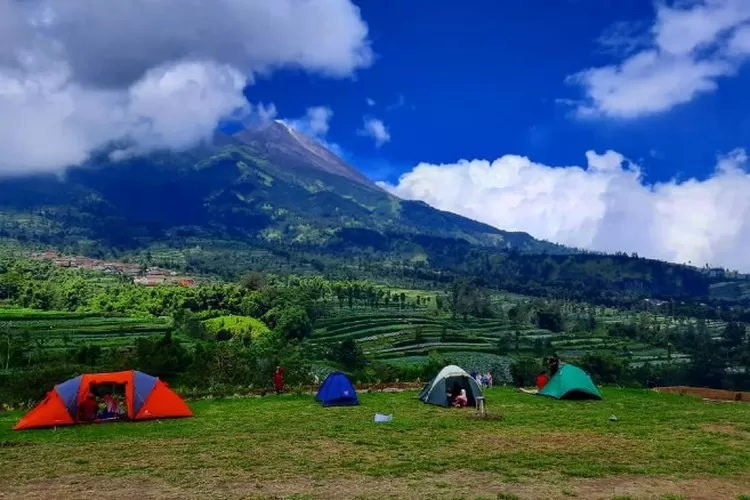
(337, 390)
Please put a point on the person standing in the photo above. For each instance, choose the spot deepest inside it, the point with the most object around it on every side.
(278, 379)
(554, 365)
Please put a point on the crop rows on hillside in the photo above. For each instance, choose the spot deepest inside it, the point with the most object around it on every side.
(56, 330)
(394, 337)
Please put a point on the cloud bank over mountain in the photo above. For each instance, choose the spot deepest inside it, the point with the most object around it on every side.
(78, 74)
(604, 206)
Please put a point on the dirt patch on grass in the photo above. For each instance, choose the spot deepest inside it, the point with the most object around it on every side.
(705, 393)
(726, 429)
(76, 487)
(549, 442)
(456, 484)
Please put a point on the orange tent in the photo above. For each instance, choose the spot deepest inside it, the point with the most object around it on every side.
(147, 397)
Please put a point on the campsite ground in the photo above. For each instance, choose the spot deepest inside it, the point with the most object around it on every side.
(661, 446)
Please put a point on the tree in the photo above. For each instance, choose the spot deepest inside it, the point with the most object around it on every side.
(734, 335)
(524, 371)
(252, 281)
(188, 325)
(349, 354)
(503, 345)
(290, 322)
(418, 335)
(548, 319)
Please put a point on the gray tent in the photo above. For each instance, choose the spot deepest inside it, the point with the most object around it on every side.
(454, 378)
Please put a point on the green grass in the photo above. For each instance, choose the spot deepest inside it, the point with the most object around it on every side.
(277, 447)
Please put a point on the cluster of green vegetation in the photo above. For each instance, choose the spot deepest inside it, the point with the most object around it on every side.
(57, 322)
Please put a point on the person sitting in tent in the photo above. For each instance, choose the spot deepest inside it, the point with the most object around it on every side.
(461, 400)
(278, 379)
(542, 380)
(87, 409)
(449, 395)
(112, 407)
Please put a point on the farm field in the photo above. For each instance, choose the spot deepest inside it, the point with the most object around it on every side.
(661, 446)
(403, 336)
(51, 330)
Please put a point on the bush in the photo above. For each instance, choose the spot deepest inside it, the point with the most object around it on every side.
(524, 371)
(31, 385)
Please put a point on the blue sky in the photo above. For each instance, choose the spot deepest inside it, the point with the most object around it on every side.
(609, 125)
(457, 83)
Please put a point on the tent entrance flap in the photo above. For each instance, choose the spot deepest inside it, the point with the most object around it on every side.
(113, 400)
(455, 384)
(453, 378)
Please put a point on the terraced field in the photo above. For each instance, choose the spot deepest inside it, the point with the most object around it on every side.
(398, 337)
(62, 330)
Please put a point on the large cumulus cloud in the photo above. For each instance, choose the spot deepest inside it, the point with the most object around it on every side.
(604, 206)
(78, 74)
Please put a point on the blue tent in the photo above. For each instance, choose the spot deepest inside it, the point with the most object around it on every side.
(337, 391)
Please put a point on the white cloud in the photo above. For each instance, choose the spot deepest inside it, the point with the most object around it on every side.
(76, 75)
(377, 130)
(691, 46)
(370, 102)
(315, 121)
(602, 207)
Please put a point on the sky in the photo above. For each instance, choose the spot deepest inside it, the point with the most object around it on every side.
(613, 126)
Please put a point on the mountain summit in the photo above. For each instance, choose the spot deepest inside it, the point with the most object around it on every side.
(283, 145)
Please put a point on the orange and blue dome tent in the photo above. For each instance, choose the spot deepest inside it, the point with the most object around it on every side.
(146, 397)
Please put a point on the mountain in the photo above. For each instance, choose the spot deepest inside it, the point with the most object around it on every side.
(281, 145)
(264, 185)
(272, 199)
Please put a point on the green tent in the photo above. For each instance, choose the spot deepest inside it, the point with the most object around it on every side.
(454, 378)
(570, 382)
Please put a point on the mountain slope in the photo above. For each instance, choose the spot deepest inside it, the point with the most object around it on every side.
(270, 199)
(268, 184)
(283, 146)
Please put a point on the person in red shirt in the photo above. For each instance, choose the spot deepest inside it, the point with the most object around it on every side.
(542, 380)
(278, 379)
(87, 409)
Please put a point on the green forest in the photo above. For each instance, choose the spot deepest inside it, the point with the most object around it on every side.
(225, 336)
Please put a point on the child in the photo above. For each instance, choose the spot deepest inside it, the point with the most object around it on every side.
(461, 400)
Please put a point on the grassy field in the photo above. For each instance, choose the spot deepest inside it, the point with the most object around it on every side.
(661, 446)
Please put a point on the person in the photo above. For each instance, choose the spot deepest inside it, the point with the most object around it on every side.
(489, 379)
(449, 395)
(87, 409)
(278, 379)
(461, 400)
(112, 408)
(542, 380)
(554, 364)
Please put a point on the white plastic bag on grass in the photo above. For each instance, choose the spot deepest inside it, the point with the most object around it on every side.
(379, 417)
